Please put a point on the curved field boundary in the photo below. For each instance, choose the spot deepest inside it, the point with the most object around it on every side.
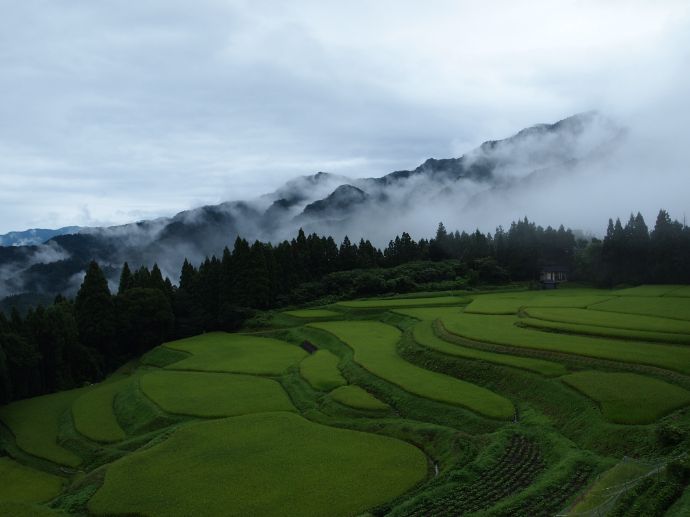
(236, 353)
(631, 322)
(35, 424)
(662, 307)
(269, 464)
(439, 301)
(509, 305)
(22, 484)
(628, 398)
(605, 332)
(313, 313)
(374, 345)
(214, 395)
(356, 397)
(321, 371)
(93, 412)
(423, 334)
(503, 331)
(649, 290)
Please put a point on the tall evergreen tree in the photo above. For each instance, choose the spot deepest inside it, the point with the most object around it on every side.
(95, 314)
(125, 279)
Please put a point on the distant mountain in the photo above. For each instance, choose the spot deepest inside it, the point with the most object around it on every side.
(454, 189)
(34, 236)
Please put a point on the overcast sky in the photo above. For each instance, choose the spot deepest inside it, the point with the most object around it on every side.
(112, 111)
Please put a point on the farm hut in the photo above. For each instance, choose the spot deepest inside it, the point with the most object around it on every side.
(551, 276)
(309, 347)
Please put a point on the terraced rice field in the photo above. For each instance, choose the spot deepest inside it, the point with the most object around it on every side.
(628, 398)
(356, 397)
(662, 306)
(276, 460)
(22, 484)
(236, 353)
(518, 403)
(374, 346)
(424, 334)
(93, 412)
(404, 302)
(502, 330)
(214, 394)
(313, 313)
(321, 371)
(35, 424)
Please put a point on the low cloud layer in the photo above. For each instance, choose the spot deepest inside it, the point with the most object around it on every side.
(114, 112)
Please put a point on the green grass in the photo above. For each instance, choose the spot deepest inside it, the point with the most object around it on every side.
(214, 394)
(35, 424)
(20, 484)
(501, 330)
(424, 335)
(11, 509)
(681, 292)
(93, 412)
(595, 330)
(512, 303)
(356, 397)
(663, 307)
(612, 320)
(404, 302)
(628, 398)
(272, 464)
(647, 290)
(609, 483)
(374, 346)
(321, 371)
(236, 353)
(313, 313)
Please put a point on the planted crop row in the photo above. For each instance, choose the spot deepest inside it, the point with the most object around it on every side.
(651, 497)
(517, 468)
(552, 498)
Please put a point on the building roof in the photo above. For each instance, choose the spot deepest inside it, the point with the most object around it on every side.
(554, 269)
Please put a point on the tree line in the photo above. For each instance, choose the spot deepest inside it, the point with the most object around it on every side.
(73, 342)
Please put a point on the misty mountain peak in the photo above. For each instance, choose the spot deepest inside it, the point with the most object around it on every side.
(342, 199)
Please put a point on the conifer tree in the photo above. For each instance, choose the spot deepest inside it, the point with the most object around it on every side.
(125, 279)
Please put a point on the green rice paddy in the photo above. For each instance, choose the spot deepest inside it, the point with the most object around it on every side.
(321, 371)
(404, 302)
(356, 397)
(662, 306)
(426, 405)
(313, 313)
(93, 412)
(272, 464)
(614, 320)
(628, 398)
(35, 424)
(374, 346)
(424, 335)
(236, 353)
(502, 330)
(20, 484)
(214, 394)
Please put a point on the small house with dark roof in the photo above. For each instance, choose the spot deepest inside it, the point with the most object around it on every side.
(551, 276)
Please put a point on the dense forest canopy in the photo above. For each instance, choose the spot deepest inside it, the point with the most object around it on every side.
(71, 342)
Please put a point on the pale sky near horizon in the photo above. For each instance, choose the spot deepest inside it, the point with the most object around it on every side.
(114, 111)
